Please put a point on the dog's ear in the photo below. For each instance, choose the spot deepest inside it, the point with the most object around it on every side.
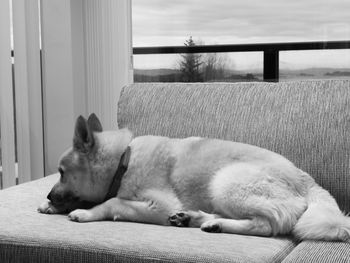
(83, 139)
(94, 123)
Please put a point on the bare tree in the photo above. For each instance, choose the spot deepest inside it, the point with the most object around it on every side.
(215, 66)
(199, 67)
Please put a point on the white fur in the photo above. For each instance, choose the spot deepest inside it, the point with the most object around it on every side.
(322, 220)
(239, 188)
(246, 190)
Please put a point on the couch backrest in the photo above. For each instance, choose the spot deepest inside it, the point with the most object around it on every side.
(308, 121)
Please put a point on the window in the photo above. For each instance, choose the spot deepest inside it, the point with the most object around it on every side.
(176, 23)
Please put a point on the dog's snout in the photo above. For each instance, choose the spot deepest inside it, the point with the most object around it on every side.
(58, 198)
(55, 197)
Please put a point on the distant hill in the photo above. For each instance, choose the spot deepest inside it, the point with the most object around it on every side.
(174, 75)
(156, 72)
(157, 75)
(316, 73)
(339, 74)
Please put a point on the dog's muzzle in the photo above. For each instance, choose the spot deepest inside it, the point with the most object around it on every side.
(62, 199)
(69, 202)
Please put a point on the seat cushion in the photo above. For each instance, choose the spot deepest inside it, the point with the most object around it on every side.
(306, 121)
(318, 252)
(28, 236)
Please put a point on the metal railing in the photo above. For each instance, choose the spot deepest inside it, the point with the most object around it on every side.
(270, 50)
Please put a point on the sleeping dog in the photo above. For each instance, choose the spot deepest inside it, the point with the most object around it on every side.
(217, 185)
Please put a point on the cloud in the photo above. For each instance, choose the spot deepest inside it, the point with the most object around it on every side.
(239, 21)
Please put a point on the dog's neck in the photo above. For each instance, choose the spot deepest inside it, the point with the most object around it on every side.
(110, 147)
(118, 176)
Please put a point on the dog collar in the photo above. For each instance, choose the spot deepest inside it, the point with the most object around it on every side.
(118, 176)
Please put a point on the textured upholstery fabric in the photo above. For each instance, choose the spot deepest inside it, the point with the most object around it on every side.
(313, 251)
(308, 121)
(27, 236)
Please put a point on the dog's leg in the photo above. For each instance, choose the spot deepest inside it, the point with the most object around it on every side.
(257, 226)
(124, 210)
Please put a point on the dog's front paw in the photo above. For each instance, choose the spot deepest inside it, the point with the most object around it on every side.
(180, 219)
(47, 208)
(212, 226)
(81, 215)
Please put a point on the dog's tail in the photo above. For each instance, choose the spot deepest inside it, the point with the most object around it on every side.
(322, 220)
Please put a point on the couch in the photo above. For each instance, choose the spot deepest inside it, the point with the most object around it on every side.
(306, 121)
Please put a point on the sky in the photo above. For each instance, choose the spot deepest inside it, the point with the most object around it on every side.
(171, 22)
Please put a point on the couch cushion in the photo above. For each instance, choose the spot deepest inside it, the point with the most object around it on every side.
(27, 236)
(318, 252)
(306, 121)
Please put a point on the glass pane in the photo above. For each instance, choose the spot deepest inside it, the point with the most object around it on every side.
(314, 64)
(168, 23)
(208, 67)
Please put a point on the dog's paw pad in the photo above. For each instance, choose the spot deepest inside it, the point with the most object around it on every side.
(180, 219)
(212, 227)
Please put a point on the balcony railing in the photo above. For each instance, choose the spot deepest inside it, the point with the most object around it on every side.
(270, 50)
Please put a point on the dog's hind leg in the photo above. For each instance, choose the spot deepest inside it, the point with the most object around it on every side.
(256, 226)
